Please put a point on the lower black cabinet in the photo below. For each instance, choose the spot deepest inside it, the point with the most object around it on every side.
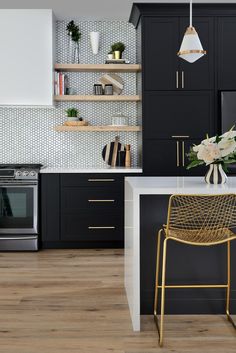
(80, 210)
(169, 157)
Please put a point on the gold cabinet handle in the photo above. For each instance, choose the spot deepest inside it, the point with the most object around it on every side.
(101, 200)
(182, 76)
(177, 79)
(180, 136)
(183, 153)
(102, 180)
(112, 227)
(177, 153)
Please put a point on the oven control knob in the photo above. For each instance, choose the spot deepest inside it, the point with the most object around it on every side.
(32, 173)
(25, 173)
(18, 173)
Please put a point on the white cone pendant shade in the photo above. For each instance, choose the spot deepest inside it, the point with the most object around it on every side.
(191, 48)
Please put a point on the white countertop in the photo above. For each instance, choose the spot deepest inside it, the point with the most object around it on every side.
(178, 185)
(90, 170)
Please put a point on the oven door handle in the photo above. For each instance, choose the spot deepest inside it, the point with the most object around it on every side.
(19, 238)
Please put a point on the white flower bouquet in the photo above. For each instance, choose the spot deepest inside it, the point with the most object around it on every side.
(214, 150)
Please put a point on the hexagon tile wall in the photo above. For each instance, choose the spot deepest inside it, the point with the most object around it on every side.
(27, 134)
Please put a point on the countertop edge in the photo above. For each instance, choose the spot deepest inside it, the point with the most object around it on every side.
(90, 170)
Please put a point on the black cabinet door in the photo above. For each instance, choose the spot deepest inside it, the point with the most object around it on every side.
(177, 113)
(200, 74)
(50, 207)
(160, 46)
(162, 157)
(226, 53)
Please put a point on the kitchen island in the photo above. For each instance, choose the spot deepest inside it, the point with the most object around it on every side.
(146, 203)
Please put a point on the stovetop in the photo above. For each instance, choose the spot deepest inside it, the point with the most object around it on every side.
(20, 166)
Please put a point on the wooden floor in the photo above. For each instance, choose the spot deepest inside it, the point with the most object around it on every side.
(73, 301)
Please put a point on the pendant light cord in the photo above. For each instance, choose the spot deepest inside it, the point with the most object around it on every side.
(191, 13)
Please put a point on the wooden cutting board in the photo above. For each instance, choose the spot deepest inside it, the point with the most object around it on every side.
(110, 152)
(114, 80)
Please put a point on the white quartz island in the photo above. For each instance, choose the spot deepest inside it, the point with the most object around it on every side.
(135, 187)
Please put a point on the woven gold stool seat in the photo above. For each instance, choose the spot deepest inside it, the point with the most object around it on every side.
(200, 220)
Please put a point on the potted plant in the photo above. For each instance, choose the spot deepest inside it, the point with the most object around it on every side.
(117, 49)
(110, 55)
(74, 37)
(217, 152)
(72, 114)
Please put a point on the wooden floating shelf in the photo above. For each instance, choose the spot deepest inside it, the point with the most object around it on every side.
(98, 67)
(98, 98)
(101, 128)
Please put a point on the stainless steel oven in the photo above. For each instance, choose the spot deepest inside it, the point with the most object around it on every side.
(18, 208)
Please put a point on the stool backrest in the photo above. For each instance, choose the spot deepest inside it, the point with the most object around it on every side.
(208, 214)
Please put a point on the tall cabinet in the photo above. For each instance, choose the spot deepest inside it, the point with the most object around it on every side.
(180, 101)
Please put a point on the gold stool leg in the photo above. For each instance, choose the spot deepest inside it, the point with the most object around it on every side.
(163, 292)
(228, 286)
(157, 280)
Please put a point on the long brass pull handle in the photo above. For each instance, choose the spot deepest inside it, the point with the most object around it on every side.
(177, 153)
(90, 227)
(182, 75)
(101, 200)
(180, 136)
(177, 79)
(183, 153)
(102, 180)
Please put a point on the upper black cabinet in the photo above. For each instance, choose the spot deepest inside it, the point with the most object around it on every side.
(163, 69)
(161, 40)
(227, 53)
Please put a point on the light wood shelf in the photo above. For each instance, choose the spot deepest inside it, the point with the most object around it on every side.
(98, 98)
(98, 67)
(101, 128)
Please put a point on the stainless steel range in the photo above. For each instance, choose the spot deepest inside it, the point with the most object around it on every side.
(19, 229)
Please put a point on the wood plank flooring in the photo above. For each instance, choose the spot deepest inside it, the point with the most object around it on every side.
(71, 301)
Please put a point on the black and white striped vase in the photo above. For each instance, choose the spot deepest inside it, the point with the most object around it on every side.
(215, 174)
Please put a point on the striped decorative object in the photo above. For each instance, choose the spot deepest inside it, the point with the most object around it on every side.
(215, 175)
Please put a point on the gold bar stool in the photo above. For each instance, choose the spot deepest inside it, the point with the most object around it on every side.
(200, 220)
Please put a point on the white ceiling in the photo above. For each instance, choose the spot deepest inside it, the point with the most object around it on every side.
(89, 9)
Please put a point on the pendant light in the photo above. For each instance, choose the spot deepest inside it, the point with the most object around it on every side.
(191, 48)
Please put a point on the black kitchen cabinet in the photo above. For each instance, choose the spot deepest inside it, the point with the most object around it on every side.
(162, 68)
(169, 157)
(50, 207)
(82, 210)
(226, 53)
(160, 43)
(173, 114)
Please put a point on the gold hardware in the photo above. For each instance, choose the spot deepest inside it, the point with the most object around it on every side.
(177, 79)
(183, 152)
(191, 52)
(182, 75)
(177, 153)
(179, 136)
(92, 180)
(101, 200)
(90, 227)
(200, 220)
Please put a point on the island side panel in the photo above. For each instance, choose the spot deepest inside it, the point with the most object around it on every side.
(185, 264)
(132, 257)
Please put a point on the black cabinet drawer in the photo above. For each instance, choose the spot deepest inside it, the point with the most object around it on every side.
(91, 199)
(98, 227)
(91, 180)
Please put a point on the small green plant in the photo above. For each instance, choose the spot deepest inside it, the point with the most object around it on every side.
(72, 112)
(110, 52)
(119, 46)
(73, 31)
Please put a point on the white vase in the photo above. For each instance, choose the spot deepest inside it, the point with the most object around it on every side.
(94, 41)
(215, 174)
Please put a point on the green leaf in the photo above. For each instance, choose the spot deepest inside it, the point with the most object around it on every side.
(195, 164)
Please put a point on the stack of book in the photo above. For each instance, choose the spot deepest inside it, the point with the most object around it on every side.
(60, 84)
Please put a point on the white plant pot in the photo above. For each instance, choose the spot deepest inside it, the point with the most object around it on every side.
(94, 41)
(110, 56)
